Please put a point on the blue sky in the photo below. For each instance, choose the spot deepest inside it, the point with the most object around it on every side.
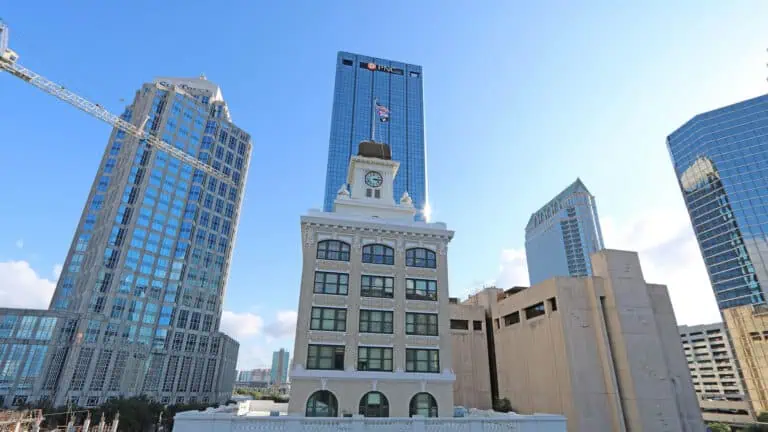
(521, 98)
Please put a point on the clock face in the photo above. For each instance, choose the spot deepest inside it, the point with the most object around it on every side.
(373, 179)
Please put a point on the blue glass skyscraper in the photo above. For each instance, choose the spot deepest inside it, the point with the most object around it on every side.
(561, 237)
(138, 305)
(360, 81)
(721, 161)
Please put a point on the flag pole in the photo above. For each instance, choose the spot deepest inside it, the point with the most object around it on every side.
(373, 119)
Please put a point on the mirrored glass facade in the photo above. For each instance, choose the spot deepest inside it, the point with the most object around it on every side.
(561, 237)
(721, 161)
(146, 271)
(360, 80)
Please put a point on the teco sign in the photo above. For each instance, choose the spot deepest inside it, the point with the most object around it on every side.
(381, 68)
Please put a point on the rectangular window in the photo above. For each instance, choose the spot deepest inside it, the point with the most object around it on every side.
(459, 324)
(374, 359)
(45, 329)
(376, 321)
(553, 304)
(377, 286)
(7, 325)
(328, 319)
(534, 311)
(325, 357)
(421, 289)
(331, 283)
(181, 322)
(422, 360)
(191, 342)
(207, 323)
(194, 321)
(423, 324)
(512, 318)
(477, 325)
(25, 329)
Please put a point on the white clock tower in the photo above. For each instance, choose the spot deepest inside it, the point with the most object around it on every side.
(371, 177)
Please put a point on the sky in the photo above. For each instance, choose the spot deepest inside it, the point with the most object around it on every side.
(521, 98)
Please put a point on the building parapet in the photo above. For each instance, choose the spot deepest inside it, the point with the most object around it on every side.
(206, 421)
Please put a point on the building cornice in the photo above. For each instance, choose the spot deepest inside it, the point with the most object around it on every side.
(370, 225)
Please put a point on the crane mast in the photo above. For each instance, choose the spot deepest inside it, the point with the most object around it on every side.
(8, 63)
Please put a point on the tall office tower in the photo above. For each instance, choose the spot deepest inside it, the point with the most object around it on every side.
(360, 81)
(721, 161)
(147, 268)
(279, 372)
(373, 334)
(561, 237)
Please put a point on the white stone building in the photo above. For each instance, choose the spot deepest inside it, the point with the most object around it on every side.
(373, 334)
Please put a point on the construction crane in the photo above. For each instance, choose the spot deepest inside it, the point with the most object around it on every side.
(8, 63)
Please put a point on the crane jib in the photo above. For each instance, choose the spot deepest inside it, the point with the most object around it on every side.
(8, 63)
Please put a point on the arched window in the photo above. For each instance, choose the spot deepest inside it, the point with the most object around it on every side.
(322, 403)
(378, 254)
(423, 404)
(420, 257)
(374, 404)
(333, 250)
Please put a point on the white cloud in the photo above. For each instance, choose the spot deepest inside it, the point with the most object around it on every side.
(669, 255)
(20, 286)
(257, 339)
(284, 326)
(57, 270)
(20, 243)
(513, 270)
(253, 356)
(241, 325)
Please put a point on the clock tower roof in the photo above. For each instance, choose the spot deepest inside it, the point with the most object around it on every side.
(373, 149)
(370, 177)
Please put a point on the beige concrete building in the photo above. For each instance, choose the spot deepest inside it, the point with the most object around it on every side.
(373, 333)
(469, 337)
(748, 328)
(602, 350)
(715, 374)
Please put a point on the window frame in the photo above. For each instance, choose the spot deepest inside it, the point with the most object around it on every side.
(431, 405)
(429, 260)
(324, 248)
(412, 292)
(338, 324)
(386, 257)
(412, 362)
(371, 291)
(367, 409)
(318, 348)
(325, 283)
(411, 328)
(369, 323)
(385, 356)
(332, 403)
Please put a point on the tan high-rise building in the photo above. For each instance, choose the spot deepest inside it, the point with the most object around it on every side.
(373, 333)
(748, 329)
(602, 350)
